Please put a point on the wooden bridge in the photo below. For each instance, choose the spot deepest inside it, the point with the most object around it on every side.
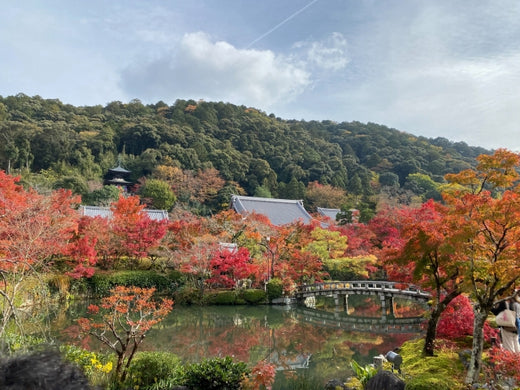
(386, 291)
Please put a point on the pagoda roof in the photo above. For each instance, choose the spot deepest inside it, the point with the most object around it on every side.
(119, 169)
(118, 181)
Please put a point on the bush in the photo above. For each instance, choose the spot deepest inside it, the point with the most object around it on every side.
(456, 320)
(215, 374)
(500, 364)
(101, 283)
(79, 287)
(151, 368)
(97, 367)
(274, 289)
(221, 298)
(16, 342)
(187, 296)
(253, 296)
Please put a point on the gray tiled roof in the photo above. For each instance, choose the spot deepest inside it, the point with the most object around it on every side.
(279, 211)
(331, 213)
(95, 211)
(119, 169)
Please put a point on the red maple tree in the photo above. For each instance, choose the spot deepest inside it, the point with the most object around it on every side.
(126, 316)
(33, 229)
(230, 266)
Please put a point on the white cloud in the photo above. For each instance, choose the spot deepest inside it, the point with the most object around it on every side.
(201, 68)
(329, 54)
(472, 99)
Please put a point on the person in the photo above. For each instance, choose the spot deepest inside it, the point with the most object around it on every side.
(44, 370)
(508, 335)
(516, 308)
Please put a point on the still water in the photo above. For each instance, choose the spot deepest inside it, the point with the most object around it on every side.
(306, 344)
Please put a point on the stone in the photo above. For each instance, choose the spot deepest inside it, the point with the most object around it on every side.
(385, 380)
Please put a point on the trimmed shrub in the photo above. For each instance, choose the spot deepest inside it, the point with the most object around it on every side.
(221, 298)
(151, 368)
(456, 320)
(274, 289)
(215, 374)
(101, 283)
(253, 296)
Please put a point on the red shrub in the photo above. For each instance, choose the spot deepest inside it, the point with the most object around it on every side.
(502, 364)
(457, 320)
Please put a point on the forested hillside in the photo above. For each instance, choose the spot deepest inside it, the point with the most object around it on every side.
(206, 151)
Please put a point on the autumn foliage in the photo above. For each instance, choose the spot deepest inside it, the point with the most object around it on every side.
(230, 266)
(122, 321)
(456, 321)
(33, 229)
(500, 364)
(261, 377)
(128, 234)
(464, 250)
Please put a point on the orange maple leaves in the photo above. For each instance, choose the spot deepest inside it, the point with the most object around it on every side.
(126, 316)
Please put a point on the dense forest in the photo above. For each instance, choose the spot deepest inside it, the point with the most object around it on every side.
(206, 151)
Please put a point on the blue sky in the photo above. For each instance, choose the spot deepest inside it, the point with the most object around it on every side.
(438, 68)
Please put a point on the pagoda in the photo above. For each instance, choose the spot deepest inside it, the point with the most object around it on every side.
(118, 176)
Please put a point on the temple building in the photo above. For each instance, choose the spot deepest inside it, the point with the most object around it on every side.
(118, 176)
(279, 211)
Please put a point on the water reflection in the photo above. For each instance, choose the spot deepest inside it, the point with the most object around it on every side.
(321, 341)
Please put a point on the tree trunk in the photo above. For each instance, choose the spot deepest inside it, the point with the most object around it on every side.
(435, 315)
(431, 332)
(119, 365)
(478, 345)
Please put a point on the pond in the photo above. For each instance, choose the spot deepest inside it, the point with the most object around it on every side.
(307, 344)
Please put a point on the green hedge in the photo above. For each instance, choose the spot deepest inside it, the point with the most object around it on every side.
(221, 298)
(274, 289)
(253, 296)
(101, 283)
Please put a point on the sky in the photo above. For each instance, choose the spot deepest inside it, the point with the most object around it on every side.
(438, 68)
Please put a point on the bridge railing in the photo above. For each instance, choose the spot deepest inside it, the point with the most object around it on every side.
(362, 285)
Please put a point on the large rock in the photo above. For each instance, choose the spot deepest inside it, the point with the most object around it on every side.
(385, 380)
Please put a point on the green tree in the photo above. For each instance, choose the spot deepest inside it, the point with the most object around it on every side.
(389, 179)
(293, 190)
(77, 184)
(158, 193)
(423, 185)
(103, 196)
(262, 192)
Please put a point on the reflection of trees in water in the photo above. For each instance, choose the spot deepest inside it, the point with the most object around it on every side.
(404, 308)
(251, 334)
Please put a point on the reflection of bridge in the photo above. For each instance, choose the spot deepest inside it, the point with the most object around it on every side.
(359, 324)
(386, 291)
